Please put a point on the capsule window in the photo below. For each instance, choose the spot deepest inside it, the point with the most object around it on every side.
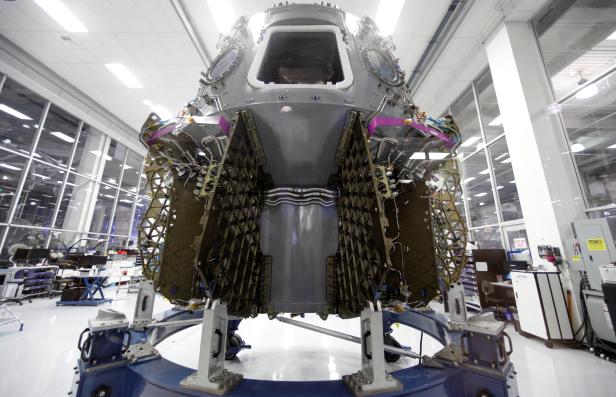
(301, 58)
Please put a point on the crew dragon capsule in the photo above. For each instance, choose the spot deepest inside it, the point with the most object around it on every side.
(302, 178)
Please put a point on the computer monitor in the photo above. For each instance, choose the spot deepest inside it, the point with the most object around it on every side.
(30, 254)
(518, 265)
(496, 260)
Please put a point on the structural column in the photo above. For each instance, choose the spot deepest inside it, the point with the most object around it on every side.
(550, 195)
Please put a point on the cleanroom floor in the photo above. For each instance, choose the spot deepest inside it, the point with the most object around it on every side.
(38, 361)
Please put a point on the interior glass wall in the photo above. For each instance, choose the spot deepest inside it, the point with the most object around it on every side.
(578, 44)
(490, 199)
(63, 183)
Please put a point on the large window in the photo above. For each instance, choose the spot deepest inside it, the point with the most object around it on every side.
(505, 183)
(20, 114)
(57, 137)
(11, 169)
(464, 110)
(478, 190)
(490, 191)
(47, 200)
(39, 196)
(578, 44)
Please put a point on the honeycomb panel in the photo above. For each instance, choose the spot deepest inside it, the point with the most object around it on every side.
(363, 251)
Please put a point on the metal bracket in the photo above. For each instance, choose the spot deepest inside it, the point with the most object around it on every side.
(457, 303)
(211, 376)
(139, 351)
(451, 352)
(144, 306)
(372, 378)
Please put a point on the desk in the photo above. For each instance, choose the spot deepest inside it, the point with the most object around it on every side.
(91, 285)
(502, 284)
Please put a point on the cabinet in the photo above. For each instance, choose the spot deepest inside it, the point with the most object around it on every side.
(541, 304)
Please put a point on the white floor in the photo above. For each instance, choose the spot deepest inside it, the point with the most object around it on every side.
(38, 361)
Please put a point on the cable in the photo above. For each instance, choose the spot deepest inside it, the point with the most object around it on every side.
(421, 347)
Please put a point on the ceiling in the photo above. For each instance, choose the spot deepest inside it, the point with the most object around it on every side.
(148, 37)
(463, 56)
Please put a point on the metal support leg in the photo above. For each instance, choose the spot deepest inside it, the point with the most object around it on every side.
(457, 303)
(211, 376)
(144, 306)
(372, 378)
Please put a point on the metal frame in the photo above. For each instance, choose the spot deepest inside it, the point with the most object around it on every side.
(486, 369)
(98, 182)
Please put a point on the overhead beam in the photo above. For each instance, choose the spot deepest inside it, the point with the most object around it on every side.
(446, 28)
(180, 9)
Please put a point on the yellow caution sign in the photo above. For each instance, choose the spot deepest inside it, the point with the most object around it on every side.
(596, 244)
(576, 258)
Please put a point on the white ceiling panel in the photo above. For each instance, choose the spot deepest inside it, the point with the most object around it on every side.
(144, 35)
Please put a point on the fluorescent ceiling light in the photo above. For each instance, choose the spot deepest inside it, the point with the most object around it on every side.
(109, 196)
(127, 167)
(10, 167)
(472, 178)
(484, 172)
(352, 22)
(612, 36)
(62, 15)
(25, 126)
(126, 201)
(577, 147)
(13, 112)
(481, 194)
(418, 156)
(70, 184)
(587, 92)
(98, 153)
(41, 176)
(112, 180)
(255, 24)
(223, 14)
(124, 75)
(513, 181)
(497, 121)
(386, 16)
(470, 141)
(499, 187)
(612, 147)
(506, 161)
(437, 155)
(482, 203)
(62, 136)
(501, 156)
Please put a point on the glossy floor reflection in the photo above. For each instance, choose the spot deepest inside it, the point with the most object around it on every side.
(38, 362)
